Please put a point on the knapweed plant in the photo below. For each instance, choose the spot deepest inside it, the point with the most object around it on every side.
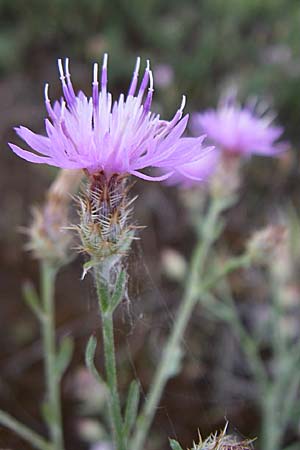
(107, 143)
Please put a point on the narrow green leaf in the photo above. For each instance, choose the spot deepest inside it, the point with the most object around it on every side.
(131, 407)
(32, 299)
(90, 356)
(175, 445)
(64, 355)
(103, 296)
(118, 293)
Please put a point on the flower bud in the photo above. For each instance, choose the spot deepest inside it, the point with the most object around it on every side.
(223, 441)
(90, 430)
(49, 238)
(173, 264)
(105, 233)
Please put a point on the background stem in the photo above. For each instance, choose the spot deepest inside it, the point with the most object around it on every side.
(26, 433)
(190, 298)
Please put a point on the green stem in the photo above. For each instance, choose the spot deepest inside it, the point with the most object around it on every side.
(271, 430)
(165, 369)
(285, 387)
(290, 397)
(282, 388)
(110, 362)
(278, 339)
(26, 433)
(48, 274)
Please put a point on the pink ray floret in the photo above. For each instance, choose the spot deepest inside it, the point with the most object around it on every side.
(240, 130)
(98, 134)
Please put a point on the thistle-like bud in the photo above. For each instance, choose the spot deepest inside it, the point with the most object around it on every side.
(104, 230)
(223, 441)
(49, 238)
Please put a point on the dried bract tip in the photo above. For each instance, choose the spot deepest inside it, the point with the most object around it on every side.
(49, 238)
(104, 230)
(223, 441)
(265, 244)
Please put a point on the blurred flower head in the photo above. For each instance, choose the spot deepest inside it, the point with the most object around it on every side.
(240, 130)
(92, 431)
(49, 236)
(173, 264)
(266, 245)
(121, 137)
(104, 445)
(85, 388)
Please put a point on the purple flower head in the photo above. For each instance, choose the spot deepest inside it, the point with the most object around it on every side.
(121, 137)
(240, 130)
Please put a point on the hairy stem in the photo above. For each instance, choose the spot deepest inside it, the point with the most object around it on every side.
(48, 274)
(110, 362)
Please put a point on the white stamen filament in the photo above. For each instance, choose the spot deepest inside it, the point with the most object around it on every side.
(183, 102)
(68, 75)
(61, 71)
(105, 58)
(137, 66)
(95, 76)
(46, 93)
(151, 83)
(104, 73)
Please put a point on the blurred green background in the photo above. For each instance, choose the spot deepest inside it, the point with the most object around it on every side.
(198, 48)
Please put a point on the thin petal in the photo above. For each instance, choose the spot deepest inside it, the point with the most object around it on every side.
(31, 157)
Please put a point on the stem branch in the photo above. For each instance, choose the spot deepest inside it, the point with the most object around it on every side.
(26, 433)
